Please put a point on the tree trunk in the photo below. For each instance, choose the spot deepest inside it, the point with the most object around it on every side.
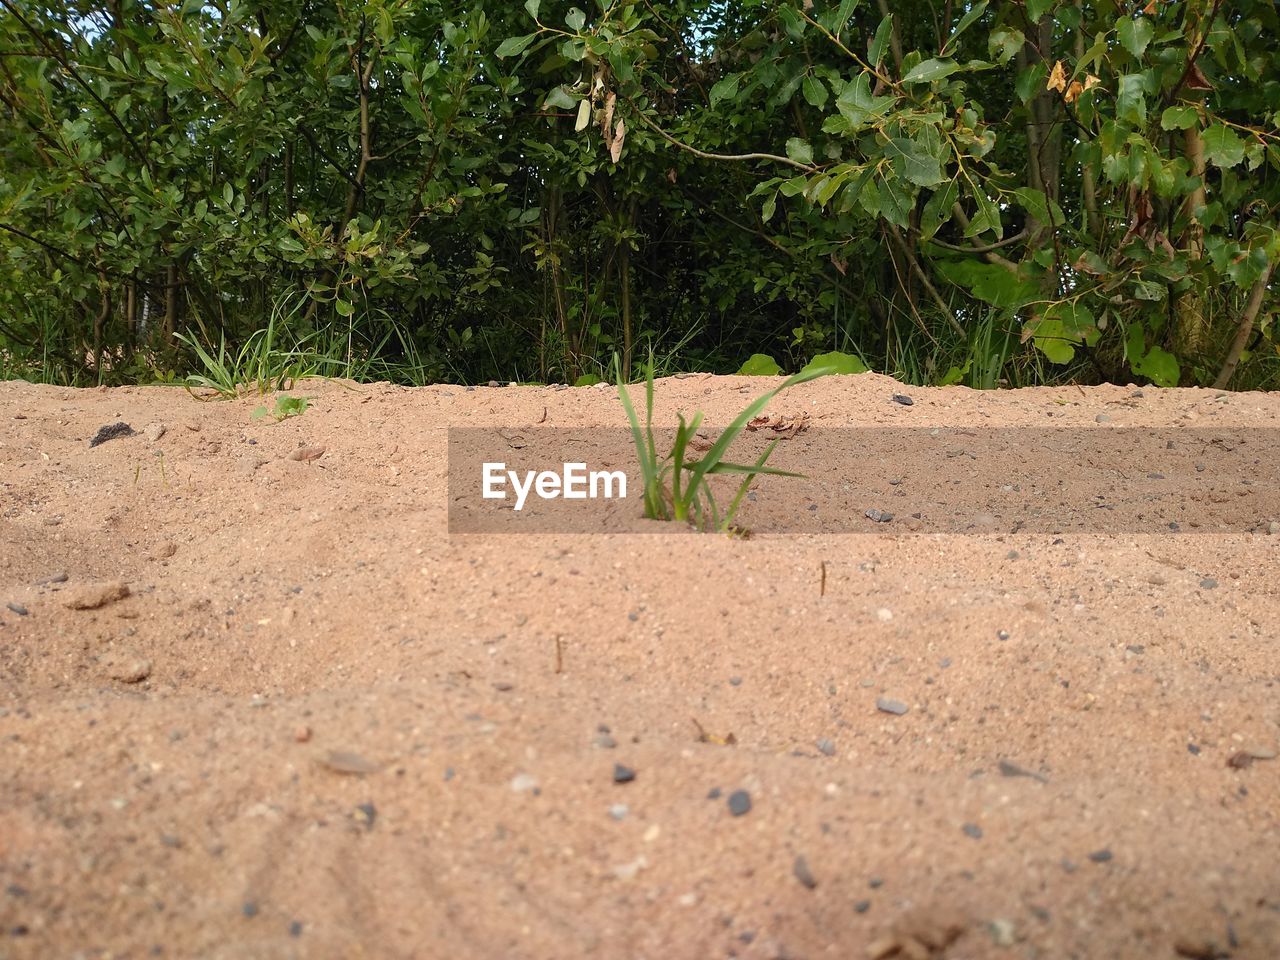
(1192, 334)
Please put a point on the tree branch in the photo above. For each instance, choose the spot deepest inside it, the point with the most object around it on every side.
(1257, 294)
(735, 157)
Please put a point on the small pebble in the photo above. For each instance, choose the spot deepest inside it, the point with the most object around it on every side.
(903, 399)
(619, 811)
(1273, 527)
(713, 793)
(1208, 583)
(862, 906)
(301, 733)
(884, 614)
(887, 705)
(1103, 418)
(826, 747)
(523, 783)
(739, 802)
(17, 608)
(155, 431)
(366, 814)
(1100, 856)
(735, 681)
(249, 909)
(295, 929)
(623, 774)
(1002, 634)
(800, 868)
(605, 741)
(130, 670)
(972, 830)
(879, 516)
(1002, 933)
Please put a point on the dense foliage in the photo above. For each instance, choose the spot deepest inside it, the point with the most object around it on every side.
(1005, 191)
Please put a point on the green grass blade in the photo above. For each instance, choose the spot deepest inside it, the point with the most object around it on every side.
(731, 432)
(723, 467)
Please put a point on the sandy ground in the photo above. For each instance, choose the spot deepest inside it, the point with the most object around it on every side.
(320, 725)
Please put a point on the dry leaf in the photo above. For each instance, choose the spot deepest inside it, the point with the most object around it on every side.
(1073, 91)
(1057, 78)
(1196, 80)
(615, 148)
(728, 740)
(671, 175)
(606, 121)
(839, 264)
(307, 454)
(1150, 8)
(1090, 81)
(784, 427)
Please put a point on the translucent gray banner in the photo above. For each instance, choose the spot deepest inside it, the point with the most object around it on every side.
(880, 480)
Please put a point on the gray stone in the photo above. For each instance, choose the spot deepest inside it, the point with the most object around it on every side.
(888, 705)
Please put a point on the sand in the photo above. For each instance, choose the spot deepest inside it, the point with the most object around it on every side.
(254, 706)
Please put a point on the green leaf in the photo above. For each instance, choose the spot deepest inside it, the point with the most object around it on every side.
(930, 70)
(1222, 146)
(1030, 81)
(560, 97)
(1052, 343)
(759, 365)
(586, 380)
(990, 282)
(1037, 9)
(858, 105)
(532, 6)
(1004, 43)
(815, 91)
(1036, 203)
(977, 10)
(955, 374)
(1157, 365)
(1179, 118)
(1149, 290)
(880, 42)
(937, 210)
(987, 218)
(921, 168)
(1131, 100)
(726, 88)
(514, 46)
(768, 207)
(843, 14)
(584, 115)
(1135, 35)
(344, 307)
(834, 362)
(799, 150)
(575, 19)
